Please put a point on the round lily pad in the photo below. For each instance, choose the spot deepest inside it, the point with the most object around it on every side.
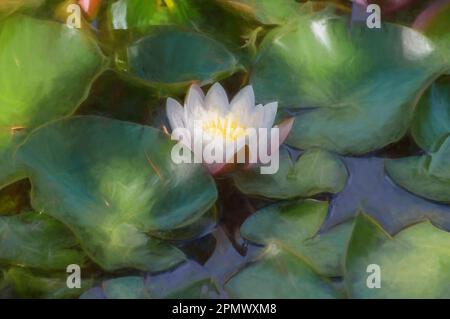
(412, 264)
(316, 171)
(279, 273)
(344, 76)
(171, 59)
(296, 224)
(46, 72)
(114, 184)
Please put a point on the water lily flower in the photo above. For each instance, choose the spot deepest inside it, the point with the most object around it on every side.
(222, 124)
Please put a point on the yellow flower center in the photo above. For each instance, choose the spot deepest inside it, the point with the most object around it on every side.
(223, 127)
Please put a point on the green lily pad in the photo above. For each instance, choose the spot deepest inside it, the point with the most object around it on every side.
(113, 183)
(296, 225)
(428, 175)
(38, 241)
(10, 6)
(141, 15)
(440, 161)
(134, 288)
(201, 289)
(128, 287)
(279, 273)
(131, 287)
(318, 61)
(47, 70)
(264, 11)
(413, 173)
(189, 281)
(170, 59)
(316, 171)
(413, 264)
(431, 125)
(434, 22)
(27, 284)
(202, 226)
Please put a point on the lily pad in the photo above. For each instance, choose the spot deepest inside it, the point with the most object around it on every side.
(47, 70)
(38, 241)
(279, 273)
(131, 287)
(10, 6)
(264, 11)
(431, 125)
(413, 264)
(141, 15)
(413, 173)
(27, 284)
(434, 22)
(296, 225)
(112, 183)
(319, 62)
(188, 281)
(428, 175)
(316, 171)
(171, 59)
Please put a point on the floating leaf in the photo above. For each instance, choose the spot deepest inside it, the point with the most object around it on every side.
(131, 287)
(10, 6)
(413, 173)
(47, 70)
(431, 124)
(38, 241)
(296, 225)
(172, 59)
(264, 11)
(434, 22)
(413, 264)
(141, 15)
(26, 284)
(279, 273)
(315, 172)
(318, 62)
(428, 175)
(112, 182)
(187, 281)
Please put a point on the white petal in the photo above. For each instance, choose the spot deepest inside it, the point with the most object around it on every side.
(256, 117)
(175, 113)
(197, 89)
(217, 100)
(243, 103)
(193, 106)
(270, 112)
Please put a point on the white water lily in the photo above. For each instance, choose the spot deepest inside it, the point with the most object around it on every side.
(219, 121)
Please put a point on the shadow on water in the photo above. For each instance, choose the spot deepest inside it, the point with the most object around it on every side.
(368, 189)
